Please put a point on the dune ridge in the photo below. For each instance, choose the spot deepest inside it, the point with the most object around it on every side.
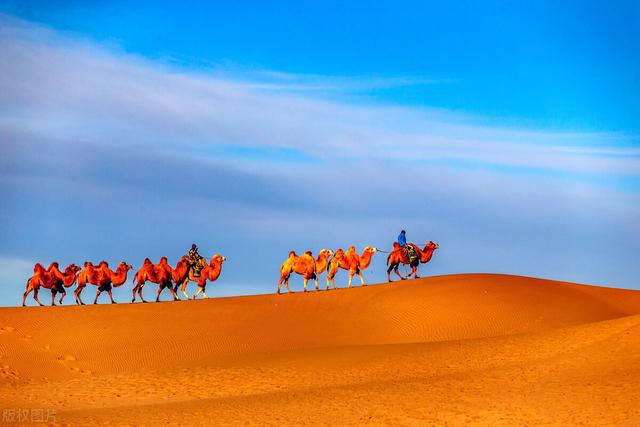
(511, 349)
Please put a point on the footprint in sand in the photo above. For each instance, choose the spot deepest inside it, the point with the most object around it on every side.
(67, 358)
(7, 329)
(46, 347)
(26, 337)
(8, 373)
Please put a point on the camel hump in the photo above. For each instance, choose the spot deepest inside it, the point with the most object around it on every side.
(308, 253)
(292, 253)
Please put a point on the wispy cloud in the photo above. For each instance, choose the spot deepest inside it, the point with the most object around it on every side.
(65, 88)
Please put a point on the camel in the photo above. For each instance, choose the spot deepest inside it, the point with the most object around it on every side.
(160, 273)
(179, 274)
(305, 265)
(102, 277)
(398, 256)
(322, 263)
(351, 261)
(52, 279)
(209, 272)
(59, 282)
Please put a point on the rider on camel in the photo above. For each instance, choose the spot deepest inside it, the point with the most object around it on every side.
(194, 260)
(408, 250)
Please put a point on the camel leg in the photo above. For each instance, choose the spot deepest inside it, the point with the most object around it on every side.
(333, 281)
(53, 297)
(26, 294)
(78, 293)
(398, 273)
(204, 292)
(95, 301)
(282, 279)
(327, 282)
(111, 296)
(183, 288)
(197, 293)
(351, 273)
(35, 296)
(62, 295)
(304, 286)
(316, 279)
(174, 293)
(361, 278)
(133, 299)
(160, 288)
(140, 293)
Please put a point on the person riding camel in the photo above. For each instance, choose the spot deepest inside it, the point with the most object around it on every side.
(408, 250)
(194, 260)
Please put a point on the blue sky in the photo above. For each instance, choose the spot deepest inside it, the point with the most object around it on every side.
(508, 133)
(561, 64)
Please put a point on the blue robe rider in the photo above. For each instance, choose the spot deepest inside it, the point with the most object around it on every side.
(408, 250)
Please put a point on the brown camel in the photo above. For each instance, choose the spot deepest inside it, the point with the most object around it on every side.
(179, 274)
(351, 261)
(51, 278)
(399, 256)
(102, 277)
(59, 282)
(209, 272)
(160, 274)
(322, 263)
(305, 265)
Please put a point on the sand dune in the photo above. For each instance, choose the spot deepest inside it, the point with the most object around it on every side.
(451, 349)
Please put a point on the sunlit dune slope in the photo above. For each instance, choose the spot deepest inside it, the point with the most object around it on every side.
(119, 337)
(474, 348)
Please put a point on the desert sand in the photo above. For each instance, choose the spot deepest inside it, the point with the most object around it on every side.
(449, 350)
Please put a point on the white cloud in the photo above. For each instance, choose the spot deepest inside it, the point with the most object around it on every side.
(60, 87)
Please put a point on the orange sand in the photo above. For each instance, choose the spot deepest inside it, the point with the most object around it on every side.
(461, 349)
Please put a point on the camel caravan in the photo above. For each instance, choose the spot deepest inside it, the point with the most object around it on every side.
(199, 271)
(195, 268)
(310, 268)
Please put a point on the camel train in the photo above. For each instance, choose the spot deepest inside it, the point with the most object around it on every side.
(309, 267)
(106, 279)
(167, 277)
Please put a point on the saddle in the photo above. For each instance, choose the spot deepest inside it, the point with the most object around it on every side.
(410, 251)
(196, 267)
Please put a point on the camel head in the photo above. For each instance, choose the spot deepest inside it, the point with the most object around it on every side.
(325, 252)
(370, 249)
(72, 268)
(124, 266)
(163, 260)
(217, 259)
(432, 245)
(351, 249)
